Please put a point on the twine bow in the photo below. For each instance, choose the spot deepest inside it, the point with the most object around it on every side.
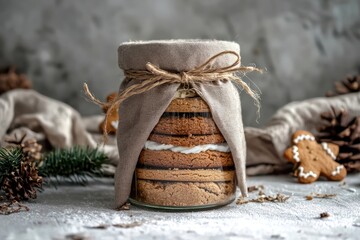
(154, 76)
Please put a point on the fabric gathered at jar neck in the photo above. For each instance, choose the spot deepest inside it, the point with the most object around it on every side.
(154, 76)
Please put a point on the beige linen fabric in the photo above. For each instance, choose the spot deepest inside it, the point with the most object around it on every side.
(140, 113)
(26, 111)
(174, 55)
(265, 146)
(47, 120)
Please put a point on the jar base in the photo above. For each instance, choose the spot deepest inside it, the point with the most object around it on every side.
(179, 208)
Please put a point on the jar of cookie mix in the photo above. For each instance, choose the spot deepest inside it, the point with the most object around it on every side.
(185, 162)
(180, 133)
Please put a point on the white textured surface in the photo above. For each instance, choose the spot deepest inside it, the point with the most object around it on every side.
(69, 209)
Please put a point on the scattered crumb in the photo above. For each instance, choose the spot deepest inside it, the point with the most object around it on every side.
(101, 226)
(127, 225)
(255, 188)
(118, 225)
(7, 208)
(281, 197)
(309, 197)
(241, 200)
(264, 198)
(76, 236)
(126, 206)
(318, 195)
(324, 215)
(261, 193)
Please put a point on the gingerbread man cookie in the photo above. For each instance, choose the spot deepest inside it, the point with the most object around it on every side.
(113, 119)
(314, 159)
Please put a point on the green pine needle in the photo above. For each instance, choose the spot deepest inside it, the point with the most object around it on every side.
(75, 164)
(10, 159)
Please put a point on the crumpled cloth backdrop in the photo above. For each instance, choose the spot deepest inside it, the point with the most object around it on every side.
(26, 111)
(45, 119)
(265, 147)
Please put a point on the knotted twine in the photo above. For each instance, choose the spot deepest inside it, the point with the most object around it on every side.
(154, 76)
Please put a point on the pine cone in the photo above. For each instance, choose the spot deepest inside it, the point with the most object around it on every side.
(9, 80)
(339, 129)
(23, 183)
(348, 85)
(32, 151)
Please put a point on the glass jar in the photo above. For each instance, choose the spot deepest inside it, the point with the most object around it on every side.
(186, 162)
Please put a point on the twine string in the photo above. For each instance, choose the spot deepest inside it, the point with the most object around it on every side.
(154, 76)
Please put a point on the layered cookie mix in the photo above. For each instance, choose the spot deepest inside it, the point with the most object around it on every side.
(186, 160)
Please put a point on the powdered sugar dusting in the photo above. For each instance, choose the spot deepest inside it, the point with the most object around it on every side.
(73, 209)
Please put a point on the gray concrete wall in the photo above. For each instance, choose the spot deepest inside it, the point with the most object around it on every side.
(305, 45)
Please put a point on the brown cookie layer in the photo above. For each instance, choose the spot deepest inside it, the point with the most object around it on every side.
(195, 104)
(186, 126)
(187, 141)
(185, 175)
(169, 159)
(184, 193)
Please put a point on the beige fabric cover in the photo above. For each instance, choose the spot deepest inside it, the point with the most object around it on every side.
(140, 113)
(265, 146)
(174, 55)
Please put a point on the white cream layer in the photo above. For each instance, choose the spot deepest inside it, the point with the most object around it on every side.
(221, 147)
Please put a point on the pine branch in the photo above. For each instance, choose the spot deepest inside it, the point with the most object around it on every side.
(9, 161)
(75, 164)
